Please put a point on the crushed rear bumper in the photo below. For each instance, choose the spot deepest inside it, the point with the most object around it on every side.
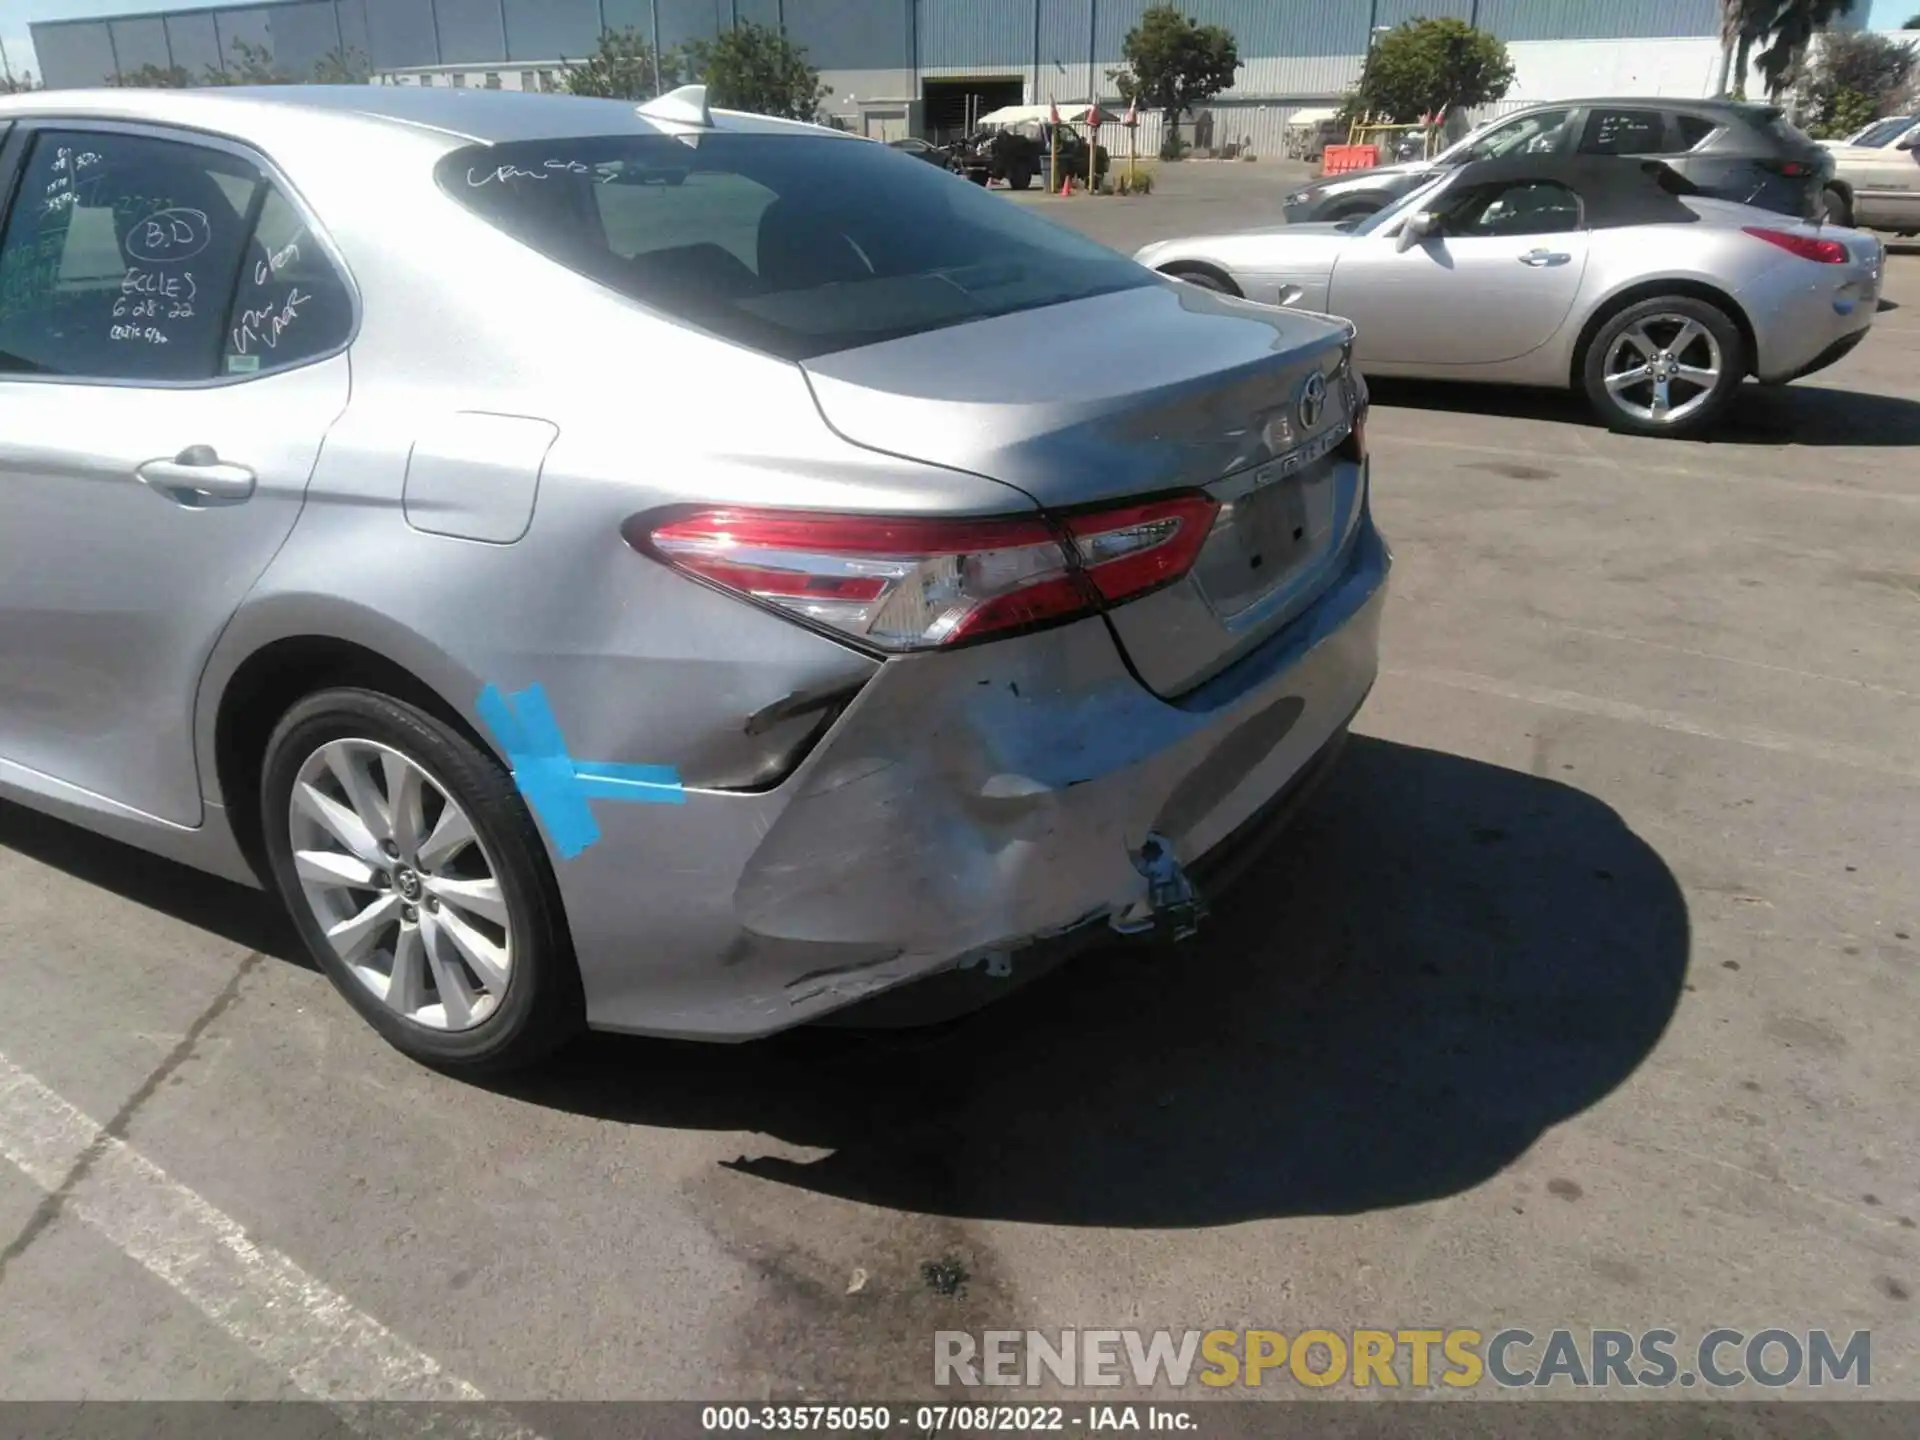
(967, 810)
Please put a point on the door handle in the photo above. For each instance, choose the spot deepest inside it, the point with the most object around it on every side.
(1539, 258)
(197, 476)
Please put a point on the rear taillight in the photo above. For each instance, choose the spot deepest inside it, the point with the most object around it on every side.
(904, 583)
(1807, 247)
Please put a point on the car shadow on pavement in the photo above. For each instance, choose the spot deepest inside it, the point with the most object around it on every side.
(1760, 415)
(1441, 960)
(244, 916)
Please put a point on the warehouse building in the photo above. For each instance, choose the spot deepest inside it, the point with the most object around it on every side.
(900, 67)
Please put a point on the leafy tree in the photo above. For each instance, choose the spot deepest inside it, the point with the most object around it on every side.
(154, 77)
(757, 69)
(343, 67)
(1913, 22)
(624, 67)
(15, 84)
(1780, 30)
(249, 64)
(1173, 64)
(1844, 112)
(1433, 67)
(1853, 78)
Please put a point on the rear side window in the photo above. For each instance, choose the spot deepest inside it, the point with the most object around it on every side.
(124, 258)
(1624, 132)
(290, 304)
(798, 245)
(1694, 129)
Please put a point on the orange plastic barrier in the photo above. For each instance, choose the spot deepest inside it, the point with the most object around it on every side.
(1341, 158)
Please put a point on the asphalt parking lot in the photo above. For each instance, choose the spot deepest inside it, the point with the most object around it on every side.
(1584, 994)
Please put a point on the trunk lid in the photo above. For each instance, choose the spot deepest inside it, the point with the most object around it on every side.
(1132, 394)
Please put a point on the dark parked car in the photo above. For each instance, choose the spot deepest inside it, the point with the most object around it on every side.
(920, 149)
(1729, 149)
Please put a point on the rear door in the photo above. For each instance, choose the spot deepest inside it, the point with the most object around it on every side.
(1496, 283)
(172, 337)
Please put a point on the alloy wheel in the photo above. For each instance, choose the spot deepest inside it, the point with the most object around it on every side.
(401, 884)
(1663, 368)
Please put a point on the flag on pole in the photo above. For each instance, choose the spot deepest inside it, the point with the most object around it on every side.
(1094, 118)
(1053, 112)
(1133, 114)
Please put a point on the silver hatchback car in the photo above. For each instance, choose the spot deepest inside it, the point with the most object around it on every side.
(657, 569)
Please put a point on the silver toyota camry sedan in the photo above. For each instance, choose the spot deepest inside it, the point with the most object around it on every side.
(654, 569)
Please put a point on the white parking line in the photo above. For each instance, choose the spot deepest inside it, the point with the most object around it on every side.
(301, 1326)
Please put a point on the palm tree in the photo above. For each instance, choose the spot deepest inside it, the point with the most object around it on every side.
(1783, 28)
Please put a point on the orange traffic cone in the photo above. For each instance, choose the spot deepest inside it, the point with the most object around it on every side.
(1066, 183)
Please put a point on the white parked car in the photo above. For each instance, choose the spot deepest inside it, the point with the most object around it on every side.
(1878, 170)
(1883, 131)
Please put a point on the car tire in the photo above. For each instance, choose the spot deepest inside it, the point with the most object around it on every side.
(1205, 279)
(1670, 333)
(489, 982)
(1019, 177)
(1834, 209)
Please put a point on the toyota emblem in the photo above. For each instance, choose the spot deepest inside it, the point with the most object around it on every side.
(1313, 400)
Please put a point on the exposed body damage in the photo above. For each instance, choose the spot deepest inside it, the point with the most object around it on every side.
(966, 806)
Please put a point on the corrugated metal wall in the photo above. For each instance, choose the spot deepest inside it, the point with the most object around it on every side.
(987, 36)
(192, 42)
(140, 42)
(1292, 49)
(1585, 20)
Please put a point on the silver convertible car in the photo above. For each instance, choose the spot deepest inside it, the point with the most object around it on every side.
(1610, 276)
(633, 567)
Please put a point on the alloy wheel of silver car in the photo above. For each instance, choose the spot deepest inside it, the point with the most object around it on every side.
(400, 884)
(1663, 368)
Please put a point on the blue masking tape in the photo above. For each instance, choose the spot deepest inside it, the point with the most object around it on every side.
(556, 785)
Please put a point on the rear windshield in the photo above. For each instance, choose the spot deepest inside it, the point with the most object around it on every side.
(798, 245)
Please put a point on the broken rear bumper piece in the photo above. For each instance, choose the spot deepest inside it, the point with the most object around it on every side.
(976, 817)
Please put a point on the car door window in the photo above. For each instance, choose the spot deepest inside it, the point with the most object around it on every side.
(1624, 132)
(119, 255)
(1538, 208)
(1537, 133)
(124, 255)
